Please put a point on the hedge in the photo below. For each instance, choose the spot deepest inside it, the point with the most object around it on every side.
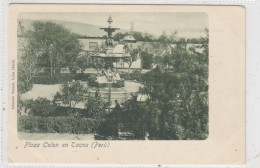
(118, 84)
(72, 125)
(136, 75)
(45, 108)
(58, 78)
(69, 112)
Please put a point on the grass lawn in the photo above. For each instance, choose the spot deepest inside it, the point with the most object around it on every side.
(54, 136)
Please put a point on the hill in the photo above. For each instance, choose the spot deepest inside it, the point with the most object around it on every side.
(75, 27)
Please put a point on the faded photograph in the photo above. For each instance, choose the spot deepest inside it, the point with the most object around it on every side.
(112, 76)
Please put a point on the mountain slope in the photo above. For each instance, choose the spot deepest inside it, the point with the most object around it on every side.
(79, 28)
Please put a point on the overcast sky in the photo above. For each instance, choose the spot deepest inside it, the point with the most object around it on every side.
(188, 25)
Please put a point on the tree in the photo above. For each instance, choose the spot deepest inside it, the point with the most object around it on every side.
(159, 53)
(134, 55)
(148, 37)
(28, 65)
(70, 94)
(83, 61)
(118, 36)
(147, 59)
(96, 107)
(133, 118)
(138, 36)
(97, 63)
(177, 107)
(56, 46)
(40, 107)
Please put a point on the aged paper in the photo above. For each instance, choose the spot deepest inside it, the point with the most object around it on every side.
(33, 139)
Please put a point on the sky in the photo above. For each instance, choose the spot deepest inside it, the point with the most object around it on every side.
(187, 25)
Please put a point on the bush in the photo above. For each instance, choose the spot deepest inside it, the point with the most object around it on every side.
(43, 107)
(70, 94)
(56, 79)
(108, 127)
(96, 84)
(81, 76)
(40, 107)
(118, 84)
(92, 78)
(72, 125)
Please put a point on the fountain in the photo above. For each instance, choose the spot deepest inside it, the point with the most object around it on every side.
(107, 77)
(112, 54)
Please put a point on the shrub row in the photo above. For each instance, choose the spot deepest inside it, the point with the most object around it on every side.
(69, 111)
(45, 108)
(118, 84)
(72, 125)
(136, 75)
(58, 78)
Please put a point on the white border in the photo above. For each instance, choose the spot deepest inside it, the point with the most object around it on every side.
(252, 76)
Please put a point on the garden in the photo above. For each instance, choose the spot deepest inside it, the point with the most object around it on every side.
(175, 87)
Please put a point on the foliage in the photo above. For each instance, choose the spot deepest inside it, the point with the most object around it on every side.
(92, 77)
(135, 75)
(97, 63)
(92, 80)
(80, 77)
(118, 84)
(27, 64)
(134, 55)
(112, 124)
(118, 36)
(47, 80)
(52, 45)
(93, 83)
(108, 127)
(69, 111)
(147, 59)
(177, 89)
(177, 105)
(26, 72)
(139, 36)
(70, 94)
(133, 118)
(45, 108)
(178, 97)
(83, 61)
(23, 106)
(96, 107)
(40, 107)
(58, 78)
(72, 125)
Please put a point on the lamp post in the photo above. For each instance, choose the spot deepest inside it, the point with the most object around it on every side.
(109, 95)
(51, 59)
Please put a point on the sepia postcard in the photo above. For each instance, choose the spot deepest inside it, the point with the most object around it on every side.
(126, 84)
